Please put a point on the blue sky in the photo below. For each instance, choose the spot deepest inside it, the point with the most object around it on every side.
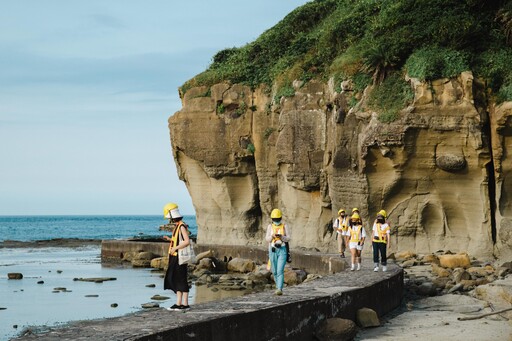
(86, 88)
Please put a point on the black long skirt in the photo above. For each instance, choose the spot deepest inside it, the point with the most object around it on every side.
(176, 276)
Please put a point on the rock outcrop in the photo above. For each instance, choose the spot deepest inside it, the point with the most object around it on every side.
(440, 170)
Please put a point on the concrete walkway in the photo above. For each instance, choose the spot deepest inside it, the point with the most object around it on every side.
(262, 316)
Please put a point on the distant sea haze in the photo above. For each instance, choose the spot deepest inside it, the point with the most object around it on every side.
(29, 228)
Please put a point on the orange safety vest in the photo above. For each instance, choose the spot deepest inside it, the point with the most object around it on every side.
(278, 229)
(380, 238)
(355, 233)
(175, 237)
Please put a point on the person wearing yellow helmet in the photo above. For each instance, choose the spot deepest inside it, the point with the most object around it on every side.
(380, 240)
(355, 210)
(355, 237)
(176, 275)
(340, 224)
(277, 235)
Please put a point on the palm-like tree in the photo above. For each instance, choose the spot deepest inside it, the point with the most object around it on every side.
(504, 17)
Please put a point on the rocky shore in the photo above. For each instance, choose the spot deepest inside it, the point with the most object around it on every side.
(224, 274)
(442, 289)
(57, 242)
(447, 296)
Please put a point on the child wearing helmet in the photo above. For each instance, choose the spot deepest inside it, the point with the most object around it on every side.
(355, 237)
(341, 226)
(277, 235)
(380, 240)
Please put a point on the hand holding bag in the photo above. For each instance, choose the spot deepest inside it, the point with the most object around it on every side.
(186, 255)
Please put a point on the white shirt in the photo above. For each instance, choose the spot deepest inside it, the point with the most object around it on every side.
(382, 227)
(336, 224)
(363, 232)
(285, 237)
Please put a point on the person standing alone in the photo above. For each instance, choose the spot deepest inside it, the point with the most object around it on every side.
(176, 275)
(277, 235)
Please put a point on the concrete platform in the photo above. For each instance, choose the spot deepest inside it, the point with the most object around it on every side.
(262, 316)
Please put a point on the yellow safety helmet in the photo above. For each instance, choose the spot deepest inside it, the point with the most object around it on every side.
(355, 216)
(341, 211)
(168, 208)
(276, 214)
(382, 213)
(355, 209)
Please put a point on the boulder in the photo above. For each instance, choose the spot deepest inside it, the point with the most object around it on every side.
(144, 255)
(294, 277)
(241, 265)
(455, 288)
(426, 289)
(440, 282)
(367, 317)
(14, 275)
(205, 254)
(159, 262)
(431, 258)
(460, 274)
(141, 263)
(408, 263)
(498, 293)
(468, 284)
(503, 271)
(259, 276)
(405, 255)
(129, 256)
(160, 298)
(439, 271)
(460, 260)
(479, 271)
(150, 305)
(337, 329)
(205, 263)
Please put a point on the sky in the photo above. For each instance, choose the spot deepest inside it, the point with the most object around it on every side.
(86, 88)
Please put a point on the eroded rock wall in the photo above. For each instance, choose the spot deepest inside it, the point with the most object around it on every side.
(433, 170)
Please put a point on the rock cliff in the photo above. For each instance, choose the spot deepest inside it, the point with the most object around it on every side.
(441, 170)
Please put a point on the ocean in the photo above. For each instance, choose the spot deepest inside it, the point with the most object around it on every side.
(31, 228)
(48, 295)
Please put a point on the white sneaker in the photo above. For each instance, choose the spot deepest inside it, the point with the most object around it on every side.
(358, 266)
(352, 268)
(375, 269)
(384, 268)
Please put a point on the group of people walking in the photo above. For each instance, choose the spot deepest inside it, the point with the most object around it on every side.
(350, 231)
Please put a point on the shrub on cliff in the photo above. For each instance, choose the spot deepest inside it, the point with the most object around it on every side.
(342, 38)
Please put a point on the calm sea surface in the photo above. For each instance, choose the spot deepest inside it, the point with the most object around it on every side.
(28, 228)
(36, 300)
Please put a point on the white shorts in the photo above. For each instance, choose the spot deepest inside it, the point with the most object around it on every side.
(353, 245)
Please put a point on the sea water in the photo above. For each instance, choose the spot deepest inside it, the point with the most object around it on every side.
(30, 228)
(49, 295)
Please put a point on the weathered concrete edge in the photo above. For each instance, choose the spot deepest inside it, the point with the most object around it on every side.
(262, 316)
(295, 320)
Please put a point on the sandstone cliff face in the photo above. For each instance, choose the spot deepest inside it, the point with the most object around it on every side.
(441, 171)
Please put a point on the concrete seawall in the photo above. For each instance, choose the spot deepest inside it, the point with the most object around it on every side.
(312, 262)
(262, 316)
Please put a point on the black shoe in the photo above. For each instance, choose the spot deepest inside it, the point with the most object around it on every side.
(175, 307)
(183, 307)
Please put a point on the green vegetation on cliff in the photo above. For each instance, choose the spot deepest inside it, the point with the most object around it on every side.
(369, 41)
